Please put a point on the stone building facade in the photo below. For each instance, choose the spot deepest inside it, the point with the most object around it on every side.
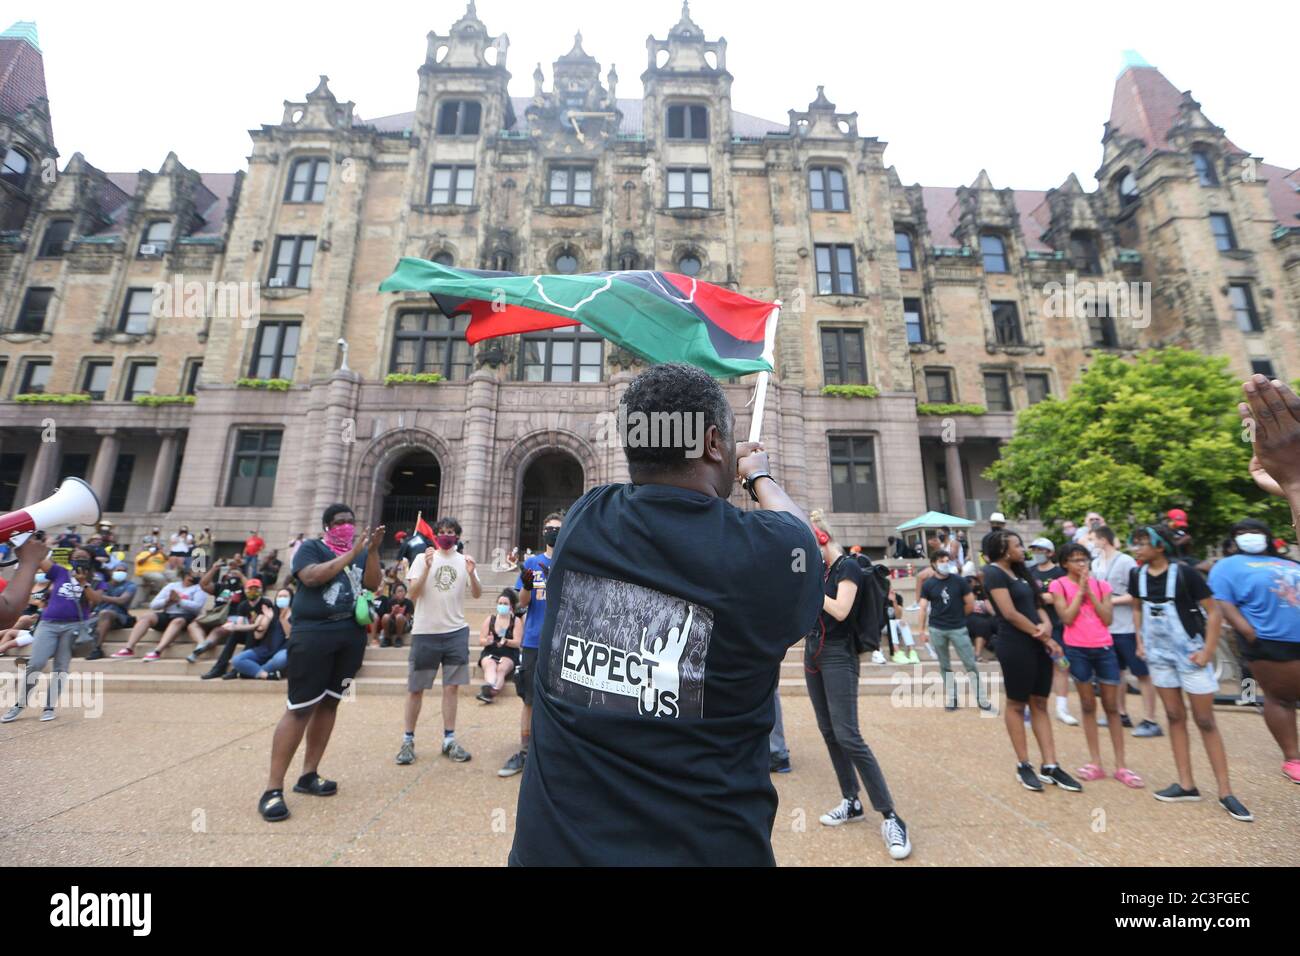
(170, 296)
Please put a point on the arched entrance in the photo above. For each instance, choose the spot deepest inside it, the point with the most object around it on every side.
(552, 482)
(411, 488)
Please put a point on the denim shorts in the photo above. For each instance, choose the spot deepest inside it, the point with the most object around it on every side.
(1126, 648)
(1089, 663)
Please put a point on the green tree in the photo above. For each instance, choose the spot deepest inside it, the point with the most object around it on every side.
(1134, 439)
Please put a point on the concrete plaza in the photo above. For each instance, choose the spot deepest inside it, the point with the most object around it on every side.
(162, 778)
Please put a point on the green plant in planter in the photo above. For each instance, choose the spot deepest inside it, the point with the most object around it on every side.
(949, 408)
(155, 400)
(851, 391)
(53, 398)
(407, 378)
(270, 384)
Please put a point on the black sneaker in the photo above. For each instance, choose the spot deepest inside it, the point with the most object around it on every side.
(213, 674)
(1174, 793)
(316, 785)
(1028, 779)
(485, 694)
(397, 642)
(272, 806)
(1235, 809)
(385, 642)
(514, 765)
(846, 811)
(1125, 720)
(1059, 777)
(96, 655)
(779, 764)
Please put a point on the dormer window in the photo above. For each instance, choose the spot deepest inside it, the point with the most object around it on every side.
(994, 251)
(1127, 188)
(55, 242)
(1083, 253)
(459, 118)
(156, 240)
(688, 122)
(1204, 165)
(308, 180)
(15, 169)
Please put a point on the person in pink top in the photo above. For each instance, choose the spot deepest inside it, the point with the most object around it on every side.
(1083, 603)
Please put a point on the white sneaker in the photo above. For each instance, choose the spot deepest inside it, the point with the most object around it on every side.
(848, 811)
(934, 655)
(894, 833)
(1067, 718)
(47, 715)
(877, 657)
(12, 714)
(1102, 721)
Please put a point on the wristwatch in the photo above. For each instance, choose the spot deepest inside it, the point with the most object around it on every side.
(748, 482)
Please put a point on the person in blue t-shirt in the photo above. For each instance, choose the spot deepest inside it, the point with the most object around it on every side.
(1259, 593)
(532, 603)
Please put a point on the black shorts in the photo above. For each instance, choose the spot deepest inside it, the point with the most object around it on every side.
(1277, 652)
(524, 676)
(1026, 666)
(323, 662)
(166, 617)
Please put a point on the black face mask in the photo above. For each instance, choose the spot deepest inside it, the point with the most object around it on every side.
(549, 535)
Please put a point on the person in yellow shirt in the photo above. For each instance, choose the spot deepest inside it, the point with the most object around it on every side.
(151, 569)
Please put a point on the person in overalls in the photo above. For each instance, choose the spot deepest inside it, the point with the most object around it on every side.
(1177, 624)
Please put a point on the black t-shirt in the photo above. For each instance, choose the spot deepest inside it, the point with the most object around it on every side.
(249, 610)
(411, 547)
(331, 607)
(653, 694)
(947, 600)
(1044, 580)
(232, 584)
(845, 568)
(1024, 597)
(1189, 590)
(269, 572)
(388, 605)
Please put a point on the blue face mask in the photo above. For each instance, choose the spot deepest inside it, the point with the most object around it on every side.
(119, 576)
(40, 577)
(503, 608)
(282, 602)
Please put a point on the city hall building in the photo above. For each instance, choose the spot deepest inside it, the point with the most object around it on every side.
(212, 348)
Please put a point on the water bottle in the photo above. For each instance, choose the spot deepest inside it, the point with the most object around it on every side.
(1061, 661)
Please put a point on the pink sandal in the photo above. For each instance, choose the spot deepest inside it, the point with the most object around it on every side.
(1129, 778)
(1090, 771)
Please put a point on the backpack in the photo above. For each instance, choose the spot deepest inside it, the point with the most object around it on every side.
(868, 616)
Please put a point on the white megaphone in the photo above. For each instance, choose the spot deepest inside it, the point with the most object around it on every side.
(74, 503)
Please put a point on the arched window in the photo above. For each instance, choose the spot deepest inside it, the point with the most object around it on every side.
(566, 262)
(629, 261)
(1127, 188)
(16, 168)
(1204, 164)
(444, 258)
(157, 238)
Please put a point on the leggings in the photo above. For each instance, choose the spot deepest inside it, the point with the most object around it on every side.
(833, 689)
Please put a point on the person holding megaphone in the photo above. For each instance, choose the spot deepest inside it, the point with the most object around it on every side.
(74, 503)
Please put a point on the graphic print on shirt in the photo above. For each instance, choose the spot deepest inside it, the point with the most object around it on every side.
(444, 577)
(624, 648)
(333, 595)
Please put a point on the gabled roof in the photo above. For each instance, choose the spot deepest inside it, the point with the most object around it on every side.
(1283, 193)
(943, 213)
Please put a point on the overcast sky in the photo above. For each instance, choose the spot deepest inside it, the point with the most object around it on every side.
(1021, 89)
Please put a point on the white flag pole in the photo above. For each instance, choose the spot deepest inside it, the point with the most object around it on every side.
(760, 388)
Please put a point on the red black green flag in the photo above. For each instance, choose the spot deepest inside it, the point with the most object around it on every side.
(660, 316)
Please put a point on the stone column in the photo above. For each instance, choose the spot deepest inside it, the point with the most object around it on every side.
(43, 480)
(330, 456)
(477, 492)
(163, 469)
(956, 483)
(101, 478)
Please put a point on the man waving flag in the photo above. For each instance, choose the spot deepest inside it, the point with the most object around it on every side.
(660, 316)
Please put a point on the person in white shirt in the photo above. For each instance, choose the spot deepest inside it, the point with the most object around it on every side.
(1113, 566)
(171, 612)
(437, 581)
